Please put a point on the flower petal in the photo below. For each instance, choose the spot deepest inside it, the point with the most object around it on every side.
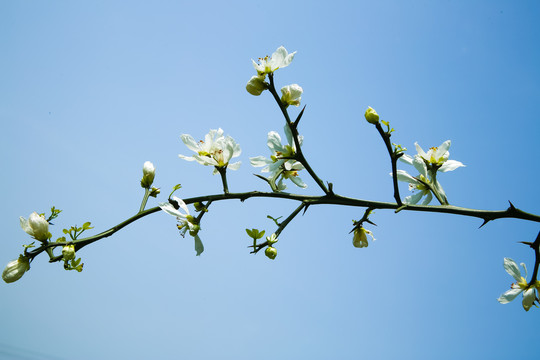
(190, 142)
(529, 296)
(450, 165)
(512, 268)
(509, 296)
(199, 247)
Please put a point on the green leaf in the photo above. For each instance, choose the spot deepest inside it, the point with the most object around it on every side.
(261, 234)
(87, 226)
(250, 233)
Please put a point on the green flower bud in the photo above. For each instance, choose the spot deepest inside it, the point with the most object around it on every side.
(15, 269)
(256, 85)
(371, 116)
(271, 252)
(68, 252)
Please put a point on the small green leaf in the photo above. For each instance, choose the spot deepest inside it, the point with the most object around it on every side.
(87, 226)
(65, 231)
(250, 233)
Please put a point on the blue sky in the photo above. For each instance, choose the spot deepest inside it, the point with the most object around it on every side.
(90, 91)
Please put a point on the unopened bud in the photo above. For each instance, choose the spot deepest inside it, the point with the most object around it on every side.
(291, 94)
(271, 252)
(256, 85)
(68, 252)
(149, 171)
(15, 269)
(371, 115)
(36, 226)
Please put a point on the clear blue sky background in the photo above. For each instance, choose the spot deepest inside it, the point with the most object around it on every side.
(91, 90)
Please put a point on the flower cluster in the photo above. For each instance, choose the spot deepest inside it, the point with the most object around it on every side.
(427, 164)
(186, 222)
(291, 94)
(216, 150)
(281, 164)
(520, 286)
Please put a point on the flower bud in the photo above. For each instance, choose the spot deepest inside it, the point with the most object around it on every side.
(149, 171)
(291, 94)
(154, 192)
(36, 226)
(371, 116)
(270, 252)
(68, 252)
(360, 237)
(15, 269)
(256, 85)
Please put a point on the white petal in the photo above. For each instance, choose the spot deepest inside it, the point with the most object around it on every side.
(420, 165)
(169, 209)
(199, 247)
(509, 296)
(512, 268)
(234, 166)
(190, 142)
(442, 150)
(406, 159)
(402, 175)
(528, 298)
(25, 226)
(259, 161)
(450, 165)
(413, 199)
(188, 158)
(420, 151)
(298, 182)
(274, 142)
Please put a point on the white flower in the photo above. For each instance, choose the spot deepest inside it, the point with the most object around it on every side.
(15, 269)
(419, 183)
(256, 85)
(360, 237)
(292, 94)
(36, 226)
(520, 286)
(216, 150)
(185, 221)
(280, 162)
(436, 157)
(149, 172)
(280, 59)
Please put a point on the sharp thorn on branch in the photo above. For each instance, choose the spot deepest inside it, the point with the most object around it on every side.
(484, 223)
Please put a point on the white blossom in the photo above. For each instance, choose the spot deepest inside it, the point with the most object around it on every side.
(281, 163)
(279, 59)
(520, 286)
(186, 222)
(216, 150)
(435, 157)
